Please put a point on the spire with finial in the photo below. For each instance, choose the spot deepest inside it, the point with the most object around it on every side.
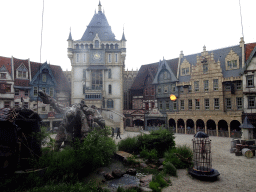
(99, 7)
(123, 37)
(70, 36)
(204, 48)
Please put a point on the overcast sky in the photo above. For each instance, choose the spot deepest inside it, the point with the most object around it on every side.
(153, 29)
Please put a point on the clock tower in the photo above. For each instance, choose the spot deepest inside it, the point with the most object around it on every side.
(97, 61)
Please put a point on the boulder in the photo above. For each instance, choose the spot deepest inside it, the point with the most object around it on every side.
(160, 161)
(143, 165)
(145, 189)
(161, 168)
(131, 171)
(144, 181)
(117, 173)
(108, 176)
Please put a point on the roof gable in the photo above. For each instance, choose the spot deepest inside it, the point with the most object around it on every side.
(248, 61)
(6, 62)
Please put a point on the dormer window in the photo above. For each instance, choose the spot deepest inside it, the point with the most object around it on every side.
(185, 71)
(232, 61)
(22, 72)
(232, 64)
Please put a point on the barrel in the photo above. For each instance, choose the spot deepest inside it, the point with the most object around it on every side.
(247, 153)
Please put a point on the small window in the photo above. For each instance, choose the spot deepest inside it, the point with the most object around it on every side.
(25, 105)
(232, 64)
(43, 77)
(197, 104)
(8, 88)
(185, 71)
(77, 57)
(251, 102)
(206, 85)
(196, 86)
(44, 89)
(173, 88)
(165, 89)
(215, 84)
(239, 85)
(159, 90)
(116, 57)
(181, 104)
(160, 105)
(167, 105)
(26, 92)
(175, 105)
(7, 104)
(109, 58)
(51, 109)
(189, 88)
(205, 68)
(97, 44)
(109, 89)
(216, 104)
(110, 103)
(17, 91)
(17, 104)
(35, 91)
(152, 91)
(190, 104)
(249, 81)
(43, 109)
(228, 103)
(227, 87)
(206, 104)
(146, 92)
(84, 74)
(181, 89)
(239, 103)
(2, 75)
(109, 74)
(84, 57)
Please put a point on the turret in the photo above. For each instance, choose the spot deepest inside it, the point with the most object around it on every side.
(70, 46)
(99, 7)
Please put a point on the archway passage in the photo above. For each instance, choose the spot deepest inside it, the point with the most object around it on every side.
(200, 125)
(172, 125)
(211, 128)
(223, 128)
(138, 122)
(181, 126)
(190, 126)
(235, 130)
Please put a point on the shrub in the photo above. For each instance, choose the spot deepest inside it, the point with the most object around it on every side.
(129, 145)
(169, 168)
(158, 183)
(183, 151)
(121, 189)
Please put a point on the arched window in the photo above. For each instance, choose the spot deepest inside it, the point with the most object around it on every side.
(97, 44)
(82, 46)
(110, 103)
(102, 46)
(111, 46)
(91, 46)
(116, 46)
(77, 46)
(107, 46)
(109, 89)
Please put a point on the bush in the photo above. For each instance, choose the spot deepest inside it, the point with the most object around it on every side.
(158, 183)
(129, 145)
(135, 189)
(185, 152)
(150, 155)
(169, 168)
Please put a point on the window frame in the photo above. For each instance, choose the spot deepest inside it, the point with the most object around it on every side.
(216, 103)
(16, 92)
(206, 85)
(247, 80)
(228, 103)
(110, 89)
(196, 86)
(215, 84)
(207, 104)
(197, 104)
(253, 99)
(44, 79)
(182, 105)
(239, 107)
(35, 91)
(205, 68)
(109, 58)
(190, 104)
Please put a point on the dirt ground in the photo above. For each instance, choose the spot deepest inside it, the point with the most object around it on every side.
(237, 173)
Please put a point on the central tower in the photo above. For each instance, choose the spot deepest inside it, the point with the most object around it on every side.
(97, 61)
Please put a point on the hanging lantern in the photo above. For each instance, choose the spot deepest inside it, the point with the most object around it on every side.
(202, 157)
(173, 97)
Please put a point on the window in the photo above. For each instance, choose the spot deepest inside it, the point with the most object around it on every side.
(51, 91)
(239, 103)
(25, 105)
(181, 104)
(44, 89)
(8, 88)
(206, 85)
(160, 105)
(159, 90)
(110, 103)
(175, 105)
(205, 68)
(167, 105)
(109, 89)
(35, 91)
(152, 91)
(196, 86)
(109, 58)
(206, 104)
(232, 64)
(227, 87)
(251, 102)
(190, 104)
(116, 58)
(181, 89)
(165, 89)
(215, 84)
(146, 91)
(185, 71)
(7, 104)
(43, 77)
(239, 85)
(26, 92)
(97, 80)
(17, 104)
(84, 58)
(197, 104)
(109, 74)
(84, 74)
(77, 57)
(51, 109)
(43, 109)
(97, 44)
(249, 81)
(216, 104)
(17, 91)
(228, 103)
(2, 75)
(21, 73)
(173, 88)
(189, 88)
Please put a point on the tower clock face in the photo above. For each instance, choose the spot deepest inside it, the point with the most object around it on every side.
(96, 56)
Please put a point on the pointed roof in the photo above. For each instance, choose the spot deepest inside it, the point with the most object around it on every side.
(123, 37)
(250, 52)
(246, 124)
(70, 36)
(99, 24)
(6, 62)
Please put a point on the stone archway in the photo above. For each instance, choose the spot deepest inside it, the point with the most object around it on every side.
(200, 125)
(190, 126)
(181, 126)
(235, 130)
(223, 128)
(211, 127)
(172, 125)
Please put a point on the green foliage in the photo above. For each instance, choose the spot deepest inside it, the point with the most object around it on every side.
(158, 183)
(169, 168)
(131, 160)
(184, 151)
(135, 189)
(130, 145)
(150, 155)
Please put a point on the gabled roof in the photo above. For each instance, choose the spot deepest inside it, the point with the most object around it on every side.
(21, 64)
(144, 71)
(99, 24)
(250, 52)
(6, 62)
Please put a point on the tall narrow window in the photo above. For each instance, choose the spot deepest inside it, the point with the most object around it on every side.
(44, 78)
(116, 58)
(109, 74)
(181, 104)
(215, 84)
(196, 86)
(35, 91)
(97, 80)
(97, 44)
(26, 92)
(152, 91)
(197, 104)
(77, 57)
(175, 105)
(216, 104)
(228, 103)
(167, 105)
(249, 81)
(251, 102)
(160, 105)
(84, 74)
(17, 91)
(110, 103)
(109, 89)
(205, 68)
(84, 57)
(239, 103)
(238, 85)
(109, 58)
(206, 85)
(206, 104)
(189, 88)
(190, 104)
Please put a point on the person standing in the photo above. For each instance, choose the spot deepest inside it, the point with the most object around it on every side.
(118, 133)
(113, 132)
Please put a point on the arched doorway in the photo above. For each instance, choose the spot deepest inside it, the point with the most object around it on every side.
(211, 127)
(200, 125)
(172, 125)
(190, 126)
(235, 130)
(181, 126)
(223, 128)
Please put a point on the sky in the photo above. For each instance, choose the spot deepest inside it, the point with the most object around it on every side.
(153, 29)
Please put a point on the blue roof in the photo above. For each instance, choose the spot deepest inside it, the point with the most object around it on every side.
(98, 24)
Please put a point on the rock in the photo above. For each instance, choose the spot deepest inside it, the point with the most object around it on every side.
(143, 165)
(161, 168)
(108, 176)
(152, 165)
(145, 189)
(146, 179)
(117, 173)
(131, 171)
(160, 161)
(131, 186)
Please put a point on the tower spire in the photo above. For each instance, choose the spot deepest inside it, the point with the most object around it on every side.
(99, 7)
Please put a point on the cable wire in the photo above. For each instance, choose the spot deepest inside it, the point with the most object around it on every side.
(241, 19)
